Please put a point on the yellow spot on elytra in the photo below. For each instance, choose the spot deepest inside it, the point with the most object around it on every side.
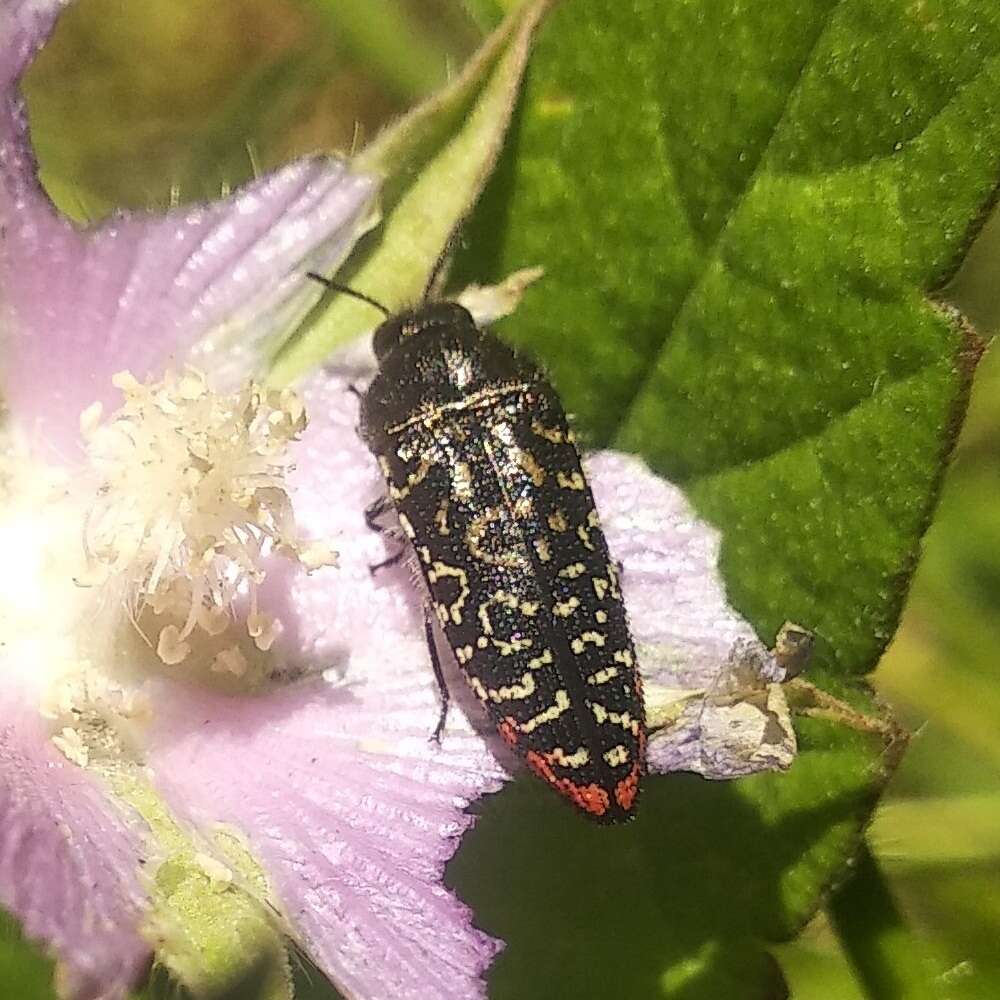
(578, 758)
(573, 570)
(543, 550)
(600, 617)
(477, 687)
(550, 713)
(623, 719)
(461, 481)
(563, 609)
(514, 646)
(553, 434)
(543, 659)
(500, 597)
(574, 481)
(514, 692)
(603, 676)
(441, 569)
(557, 520)
(617, 755)
(577, 645)
(613, 577)
(441, 519)
(476, 534)
(529, 463)
(600, 587)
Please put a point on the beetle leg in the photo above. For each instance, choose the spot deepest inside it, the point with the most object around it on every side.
(392, 560)
(374, 511)
(438, 673)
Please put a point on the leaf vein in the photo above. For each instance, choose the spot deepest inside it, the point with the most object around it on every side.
(646, 377)
(882, 385)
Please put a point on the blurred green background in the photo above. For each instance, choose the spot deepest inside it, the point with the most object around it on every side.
(144, 105)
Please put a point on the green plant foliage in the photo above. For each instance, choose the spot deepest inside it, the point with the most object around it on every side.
(675, 904)
(936, 836)
(24, 972)
(387, 38)
(745, 212)
(435, 162)
(136, 106)
(740, 224)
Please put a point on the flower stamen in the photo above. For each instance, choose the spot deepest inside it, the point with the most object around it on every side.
(191, 502)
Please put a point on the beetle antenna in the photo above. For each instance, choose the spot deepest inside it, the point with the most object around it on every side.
(439, 265)
(336, 287)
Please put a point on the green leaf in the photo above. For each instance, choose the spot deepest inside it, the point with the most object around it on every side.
(740, 224)
(941, 671)
(24, 971)
(888, 959)
(907, 832)
(486, 13)
(745, 213)
(677, 903)
(435, 162)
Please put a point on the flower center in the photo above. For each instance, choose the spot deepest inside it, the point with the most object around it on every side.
(151, 558)
(191, 505)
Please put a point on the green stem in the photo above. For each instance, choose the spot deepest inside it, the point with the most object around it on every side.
(889, 961)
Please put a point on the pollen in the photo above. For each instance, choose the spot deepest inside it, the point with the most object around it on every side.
(190, 504)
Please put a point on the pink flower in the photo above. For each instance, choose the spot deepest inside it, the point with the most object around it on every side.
(197, 709)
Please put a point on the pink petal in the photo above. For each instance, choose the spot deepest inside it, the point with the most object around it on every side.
(140, 291)
(687, 635)
(353, 812)
(342, 794)
(68, 861)
(676, 597)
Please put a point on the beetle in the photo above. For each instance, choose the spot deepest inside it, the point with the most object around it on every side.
(483, 473)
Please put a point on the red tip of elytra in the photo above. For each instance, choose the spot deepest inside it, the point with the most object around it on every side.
(627, 789)
(508, 731)
(590, 798)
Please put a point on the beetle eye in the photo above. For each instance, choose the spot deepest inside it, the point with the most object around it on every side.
(386, 337)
